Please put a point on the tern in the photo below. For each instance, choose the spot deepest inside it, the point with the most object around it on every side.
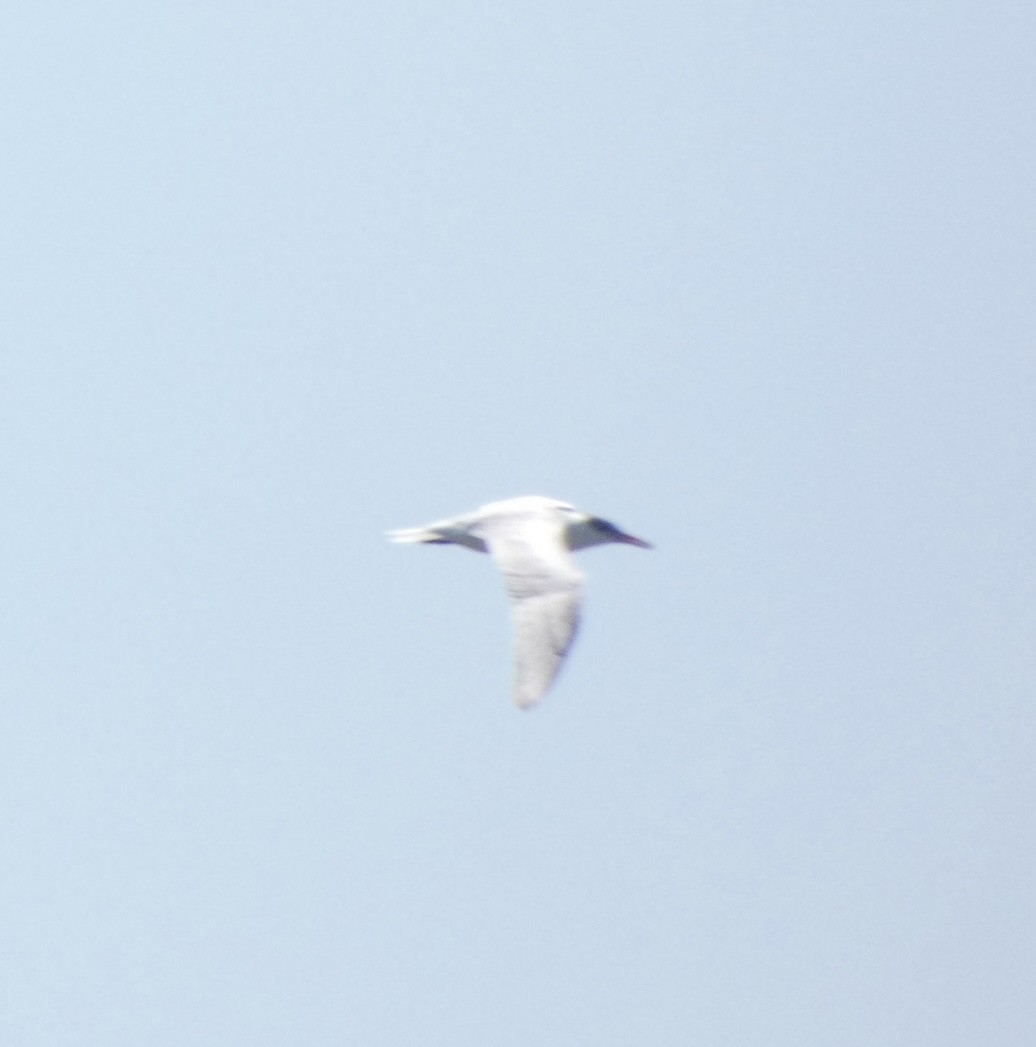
(531, 539)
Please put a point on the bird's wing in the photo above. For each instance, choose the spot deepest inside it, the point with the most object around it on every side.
(544, 627)
(546, 590)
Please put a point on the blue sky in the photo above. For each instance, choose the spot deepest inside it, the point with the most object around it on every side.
(753, 280)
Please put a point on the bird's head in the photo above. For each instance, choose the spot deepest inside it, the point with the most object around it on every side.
(584, 530)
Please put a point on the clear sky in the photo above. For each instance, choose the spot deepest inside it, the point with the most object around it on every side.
(754, 280)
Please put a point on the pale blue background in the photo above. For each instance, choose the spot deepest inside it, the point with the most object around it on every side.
(753, 279)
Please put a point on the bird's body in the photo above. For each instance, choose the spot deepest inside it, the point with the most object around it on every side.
(531, 539)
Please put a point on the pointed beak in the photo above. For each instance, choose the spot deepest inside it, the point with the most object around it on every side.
(629, 539)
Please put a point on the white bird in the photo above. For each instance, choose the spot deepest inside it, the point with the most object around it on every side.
(531, 538)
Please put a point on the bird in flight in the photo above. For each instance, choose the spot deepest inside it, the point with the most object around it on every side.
(531, 539)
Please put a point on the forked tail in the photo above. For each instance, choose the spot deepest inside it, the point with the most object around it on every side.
(418, 534)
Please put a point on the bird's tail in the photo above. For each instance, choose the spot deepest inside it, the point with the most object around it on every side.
(417, 534)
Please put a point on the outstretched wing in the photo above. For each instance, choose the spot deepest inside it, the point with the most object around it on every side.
(544, 628)
(546, 591)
